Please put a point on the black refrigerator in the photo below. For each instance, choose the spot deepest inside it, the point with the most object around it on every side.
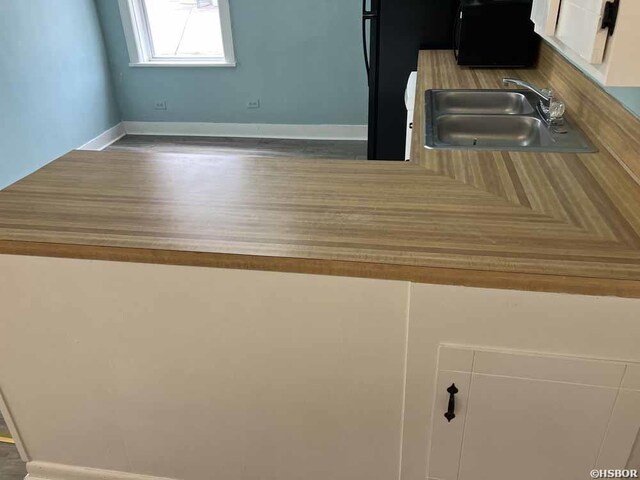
(393, 32)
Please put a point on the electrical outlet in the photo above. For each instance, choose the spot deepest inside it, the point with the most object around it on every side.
(162, 105)
(253, 104)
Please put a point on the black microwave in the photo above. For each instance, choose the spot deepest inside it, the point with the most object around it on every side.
(495, 33)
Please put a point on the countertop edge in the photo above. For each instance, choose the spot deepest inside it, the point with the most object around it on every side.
(379, 271)
(559, 73)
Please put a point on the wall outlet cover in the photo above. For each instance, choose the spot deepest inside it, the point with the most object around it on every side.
(162, 105)
(253, 104)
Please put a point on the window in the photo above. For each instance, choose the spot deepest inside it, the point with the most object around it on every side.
(178, 32)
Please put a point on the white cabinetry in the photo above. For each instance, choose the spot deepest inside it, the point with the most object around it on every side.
(528, 416)
(246, 374)
(575, 27)
(580, 28)
(410, 100)
(544, 14)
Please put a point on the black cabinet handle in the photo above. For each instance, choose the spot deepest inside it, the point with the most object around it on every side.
(450, 414)
(610, 15)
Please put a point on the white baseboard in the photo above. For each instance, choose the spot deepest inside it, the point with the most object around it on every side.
(105, 139)
(249, 130)
(54, 471)
(253, 130)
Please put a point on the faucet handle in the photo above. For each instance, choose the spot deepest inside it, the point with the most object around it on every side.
(548, 92)
(556, 110)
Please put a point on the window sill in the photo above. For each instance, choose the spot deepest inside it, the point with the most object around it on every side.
(182, 64)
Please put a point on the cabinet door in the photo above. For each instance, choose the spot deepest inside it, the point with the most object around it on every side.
(409, 141)
(410, 100)
(530, 417)
(579, 27)
(544, 15)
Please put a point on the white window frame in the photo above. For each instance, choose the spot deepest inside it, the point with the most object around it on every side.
(138, 37)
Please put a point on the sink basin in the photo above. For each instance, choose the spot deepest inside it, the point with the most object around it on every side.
(490, 131)
(495, 120)
(481, 101)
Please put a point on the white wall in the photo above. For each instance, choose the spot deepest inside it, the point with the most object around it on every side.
(196, 373)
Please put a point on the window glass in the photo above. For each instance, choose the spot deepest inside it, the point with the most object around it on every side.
(184, 28)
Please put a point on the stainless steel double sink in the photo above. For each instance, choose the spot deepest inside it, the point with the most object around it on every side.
(495, 120)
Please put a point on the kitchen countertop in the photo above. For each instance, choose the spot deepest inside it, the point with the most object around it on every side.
(531, 221)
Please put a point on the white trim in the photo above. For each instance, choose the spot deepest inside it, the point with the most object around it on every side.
(105, 139)
(15, 433)
(127, 15)
(227, 35)
(140, 42)
(54, 471)
(171, 63)
(253, 130)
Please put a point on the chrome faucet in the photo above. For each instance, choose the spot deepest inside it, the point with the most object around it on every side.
(550, 109)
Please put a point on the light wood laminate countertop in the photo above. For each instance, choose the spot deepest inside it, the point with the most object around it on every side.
(532, 221)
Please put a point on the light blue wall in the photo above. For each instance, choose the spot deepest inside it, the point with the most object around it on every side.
(301, 58)
(628, 96)
(55, 92)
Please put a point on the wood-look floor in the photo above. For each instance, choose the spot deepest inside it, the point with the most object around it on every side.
(11, 466)
(537, 221)
(244, 147)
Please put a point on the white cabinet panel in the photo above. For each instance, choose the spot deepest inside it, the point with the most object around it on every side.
(445, 452)
(455, 359)
(409, 135)
(410, 100)
(202, 373)
(548, 367)
(622, 431)
(611, 60)
(531, 416)
(531, 429)
(579, 27)
(632, 377)
(544, 14)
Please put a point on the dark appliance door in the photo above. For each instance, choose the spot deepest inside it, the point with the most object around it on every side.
(370, 44)
(496, 33)
(399, 30)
